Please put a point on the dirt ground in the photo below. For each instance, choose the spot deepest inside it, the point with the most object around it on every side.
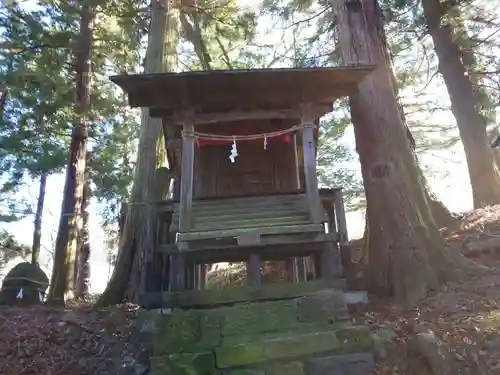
(74, 341)
(464, 318)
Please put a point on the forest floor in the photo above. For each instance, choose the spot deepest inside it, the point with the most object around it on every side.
(75, 340)
(465, 316)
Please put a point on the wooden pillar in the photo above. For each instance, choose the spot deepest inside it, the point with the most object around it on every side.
(177, 272)
(309, 155)
(203, 276)
(190, 276)
(253, 269)
(297, 167)
(200, 276)
(343, 239)
(186, 198)
(301, 269)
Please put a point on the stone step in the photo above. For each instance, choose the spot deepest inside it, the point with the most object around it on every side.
(344, 364)
(233, 295)
(292, 346)
(341, 351)
(358, 297)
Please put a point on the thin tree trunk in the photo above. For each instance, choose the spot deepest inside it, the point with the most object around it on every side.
(65, 248)
(483, 173)
(82, 278)
(137, 237)
(485, 106)
(408, 257)
(194, 35)
(37, 232)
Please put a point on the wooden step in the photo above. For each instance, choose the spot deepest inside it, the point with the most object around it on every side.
(232, 233)
(221, 212)
(235, 222)
(250, 201)
(206, 225)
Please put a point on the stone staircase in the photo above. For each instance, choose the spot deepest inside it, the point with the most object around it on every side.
(306, 335)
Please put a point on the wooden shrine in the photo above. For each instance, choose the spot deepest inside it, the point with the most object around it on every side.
(241, 146)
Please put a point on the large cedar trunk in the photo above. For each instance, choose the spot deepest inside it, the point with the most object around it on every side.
(407, 255)
(137, 239)
(65, 249)
(483, 172)
(37, 231)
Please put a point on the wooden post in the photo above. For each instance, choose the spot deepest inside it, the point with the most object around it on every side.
(309, 154)
(196, 283)
(301, 269)
(186, 198)
(296, 157)
(343, 239)
(253, 269)
(203, 276)
(190, 276)
(177, 272)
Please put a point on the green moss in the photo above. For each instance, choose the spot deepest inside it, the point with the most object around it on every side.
(297, 329)
(187, 331)
(355, 339)
(213, 297)
(177, 332)
(183, 364)
(245, 371)
(258, 318)
(290, 368)
(326, 306)
(210, 328)
(268, 349)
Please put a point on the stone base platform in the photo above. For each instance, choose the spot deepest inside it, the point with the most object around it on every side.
(308, 335)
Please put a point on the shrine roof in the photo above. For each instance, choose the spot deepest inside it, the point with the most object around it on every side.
(219, 91)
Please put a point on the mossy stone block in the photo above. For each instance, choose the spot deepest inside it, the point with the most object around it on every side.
(297, 329)
(210, 328)
(176, 332)
(276, 348)
(355, 339)
(265, 292)
(289, 368)
(183, 364)
(324, 306)
(245, 371)
(259, 318)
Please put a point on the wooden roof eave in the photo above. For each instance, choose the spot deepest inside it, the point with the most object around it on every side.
(247, 90)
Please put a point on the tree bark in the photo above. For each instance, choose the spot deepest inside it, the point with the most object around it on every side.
(408, 257)
(82, 270)
(442, 216)
(65, 249)
(137, 238)
(37, 231)
(483, 172)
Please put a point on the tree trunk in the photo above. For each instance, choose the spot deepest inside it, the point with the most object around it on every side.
(65, 248)
(485, 106)
(408, 257)
(442, 216)
(37, 232)
(483, 173)
(137, 238)
(82, 278)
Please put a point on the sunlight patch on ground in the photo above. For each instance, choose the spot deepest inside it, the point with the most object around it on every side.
(490, 321)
